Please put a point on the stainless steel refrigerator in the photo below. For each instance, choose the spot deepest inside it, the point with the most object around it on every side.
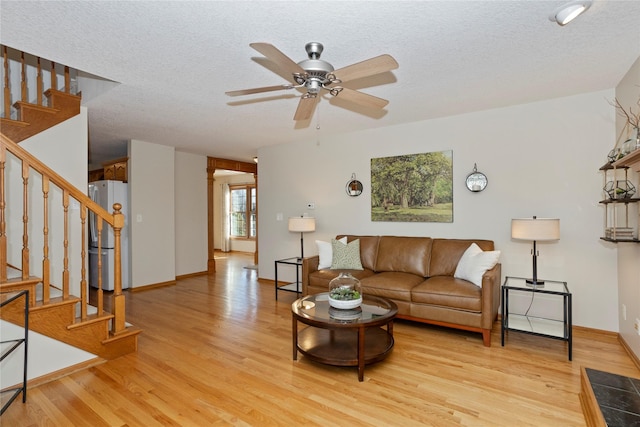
(106, 193)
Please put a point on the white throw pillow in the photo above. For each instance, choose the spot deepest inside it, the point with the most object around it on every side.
(326, 253)
(474, 263)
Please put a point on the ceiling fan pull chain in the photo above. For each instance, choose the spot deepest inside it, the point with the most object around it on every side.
(334, 91)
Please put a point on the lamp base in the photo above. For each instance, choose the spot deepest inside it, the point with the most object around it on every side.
(536, 283)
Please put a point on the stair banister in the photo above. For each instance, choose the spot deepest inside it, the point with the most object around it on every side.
(115, 220)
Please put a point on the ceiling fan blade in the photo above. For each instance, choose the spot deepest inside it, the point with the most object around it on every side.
(361, 98)
(305, 107)
(258, 90)
(368, 67)
(279, 58)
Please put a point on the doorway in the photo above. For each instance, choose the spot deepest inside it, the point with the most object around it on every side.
(232, 166)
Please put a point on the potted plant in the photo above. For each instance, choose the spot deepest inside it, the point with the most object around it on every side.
(345, 292)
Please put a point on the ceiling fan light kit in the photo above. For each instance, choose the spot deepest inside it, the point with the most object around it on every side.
(569, 11)
(315, 74)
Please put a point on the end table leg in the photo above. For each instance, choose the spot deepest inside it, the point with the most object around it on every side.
(505, 314)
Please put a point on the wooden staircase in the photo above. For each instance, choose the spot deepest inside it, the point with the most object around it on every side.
(93, 321)
(58, 319)
(34, 118)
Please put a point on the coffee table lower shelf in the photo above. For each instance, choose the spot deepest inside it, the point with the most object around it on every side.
(339, 347)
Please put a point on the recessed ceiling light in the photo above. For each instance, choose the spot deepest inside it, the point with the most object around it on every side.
(569, 11)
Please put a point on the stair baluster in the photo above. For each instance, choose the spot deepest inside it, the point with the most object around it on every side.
(46, 273)
(65, 256)
(54, 78)
(83, 269)
(25, 220)
(23, 79)
(67, 80)
(39, 83)
(7, 85)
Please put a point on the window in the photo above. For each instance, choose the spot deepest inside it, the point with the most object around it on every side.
(243, 211)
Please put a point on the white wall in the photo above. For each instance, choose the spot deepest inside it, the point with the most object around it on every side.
(64, 149)
(540, 159)
(191, 213)
(628, 93)
(152, 201)
(240, 245)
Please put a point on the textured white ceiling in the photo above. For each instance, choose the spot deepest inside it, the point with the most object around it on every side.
(175, 60)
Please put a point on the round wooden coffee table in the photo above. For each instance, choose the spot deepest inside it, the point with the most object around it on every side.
(343, 337)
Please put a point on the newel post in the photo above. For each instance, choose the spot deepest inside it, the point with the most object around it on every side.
(118, 298)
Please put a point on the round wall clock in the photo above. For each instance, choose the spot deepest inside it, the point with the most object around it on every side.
(476, 181)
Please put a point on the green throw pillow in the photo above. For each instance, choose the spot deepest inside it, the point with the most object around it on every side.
(346, 257)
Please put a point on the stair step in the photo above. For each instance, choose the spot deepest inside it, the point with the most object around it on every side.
(54, 302)
(124, 342)
(18, 284)
(130, 331)
(34, 118)
(91, 319)
(63, 100)
(23, 107)
(6, 123)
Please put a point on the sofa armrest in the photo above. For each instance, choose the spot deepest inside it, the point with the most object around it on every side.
(491, 295)
(309, 265)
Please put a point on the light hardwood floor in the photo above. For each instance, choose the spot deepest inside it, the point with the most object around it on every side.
(216, 350)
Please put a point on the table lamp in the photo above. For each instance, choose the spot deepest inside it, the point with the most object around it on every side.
(302, 224)
(536, 230)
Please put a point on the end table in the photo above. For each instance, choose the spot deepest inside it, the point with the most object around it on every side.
(291, 286)
(556, 329)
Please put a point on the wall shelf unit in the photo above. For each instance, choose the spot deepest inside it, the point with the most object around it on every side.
(621, 225)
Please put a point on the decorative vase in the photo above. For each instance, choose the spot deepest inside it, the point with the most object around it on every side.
(637, 145)
(345, 292)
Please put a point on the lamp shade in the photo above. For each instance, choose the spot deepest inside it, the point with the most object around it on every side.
(302, 224)
(539, 229)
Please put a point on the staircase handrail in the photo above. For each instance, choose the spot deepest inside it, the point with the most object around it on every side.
(55, 178)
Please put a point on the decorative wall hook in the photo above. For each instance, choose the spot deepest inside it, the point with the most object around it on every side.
(476, 181)
(354, 187)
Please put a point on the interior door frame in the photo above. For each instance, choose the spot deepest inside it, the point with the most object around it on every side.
(213, 164)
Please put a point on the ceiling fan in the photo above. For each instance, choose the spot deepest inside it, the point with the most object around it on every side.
(315, 74)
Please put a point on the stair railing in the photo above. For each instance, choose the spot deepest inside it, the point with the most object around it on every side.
(116, 221)
(19, 84)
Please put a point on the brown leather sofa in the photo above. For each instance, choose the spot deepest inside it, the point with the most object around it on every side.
(417, 274)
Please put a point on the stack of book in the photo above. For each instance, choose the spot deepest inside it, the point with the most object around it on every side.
(619, 233)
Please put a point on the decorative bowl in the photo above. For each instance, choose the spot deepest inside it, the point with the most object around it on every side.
(345, 304)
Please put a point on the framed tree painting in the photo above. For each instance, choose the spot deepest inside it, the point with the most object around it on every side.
(413, 188)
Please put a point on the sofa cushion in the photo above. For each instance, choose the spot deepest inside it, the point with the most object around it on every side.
(445, 254)
(404, 254)
(393, 285)
(474, 263)
(346, 257)
(321, 278)
(368, 249)
(325, 253)
(447, 291)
